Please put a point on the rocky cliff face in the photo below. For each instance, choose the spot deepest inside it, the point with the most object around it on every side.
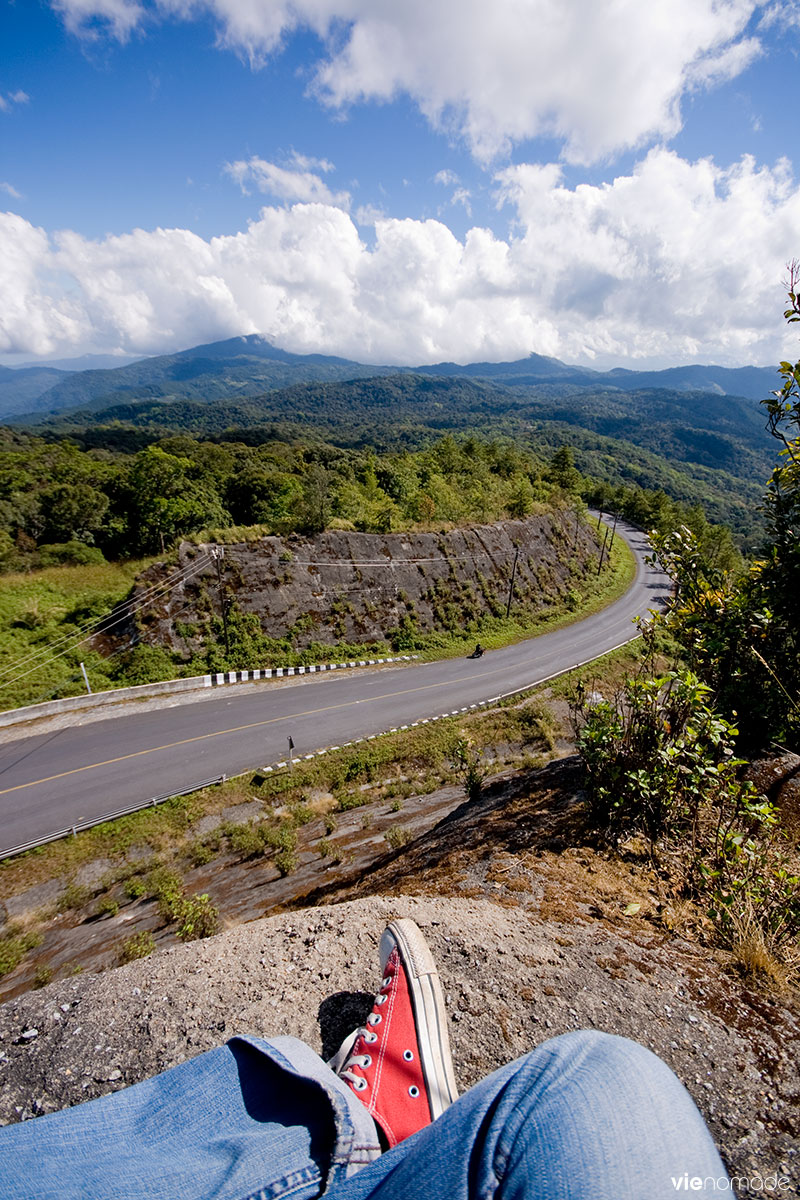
(359, 587)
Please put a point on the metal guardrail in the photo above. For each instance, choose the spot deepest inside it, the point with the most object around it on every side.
(79, 826)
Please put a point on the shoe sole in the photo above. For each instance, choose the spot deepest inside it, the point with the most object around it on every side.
(429, 1010)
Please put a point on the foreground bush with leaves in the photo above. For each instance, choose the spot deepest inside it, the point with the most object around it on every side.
(660, 762)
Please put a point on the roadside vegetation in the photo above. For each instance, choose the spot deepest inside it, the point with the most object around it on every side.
(149, 854)
(667, 756)
(44, 613)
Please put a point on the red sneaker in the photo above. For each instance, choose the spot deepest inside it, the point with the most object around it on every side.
(399, 1063)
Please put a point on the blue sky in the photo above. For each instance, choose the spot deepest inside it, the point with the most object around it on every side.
(610, 183)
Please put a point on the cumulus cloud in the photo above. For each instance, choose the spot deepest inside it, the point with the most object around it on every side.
(296, 181)
(601, 77)
(677, 261)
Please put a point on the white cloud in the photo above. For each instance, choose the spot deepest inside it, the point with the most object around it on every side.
(785, 15)
(87, 17)
(295, 182)
(677, 261)
(462, 196)
(11, 99)
(601, 77)
(446, 177)
(10, 190)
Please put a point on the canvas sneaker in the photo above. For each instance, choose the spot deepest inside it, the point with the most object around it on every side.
(399, 1063)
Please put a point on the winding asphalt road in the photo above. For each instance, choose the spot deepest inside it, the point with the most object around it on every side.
(52, 780)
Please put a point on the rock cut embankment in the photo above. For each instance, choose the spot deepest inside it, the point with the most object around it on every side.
(361, 587)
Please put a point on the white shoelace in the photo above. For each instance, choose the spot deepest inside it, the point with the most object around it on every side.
(368, 1035)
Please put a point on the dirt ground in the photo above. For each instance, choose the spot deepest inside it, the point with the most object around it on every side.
(533, 933)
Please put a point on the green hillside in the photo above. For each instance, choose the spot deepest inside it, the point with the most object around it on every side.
(698, 448)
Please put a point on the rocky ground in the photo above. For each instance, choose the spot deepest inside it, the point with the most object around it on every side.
(533, 933)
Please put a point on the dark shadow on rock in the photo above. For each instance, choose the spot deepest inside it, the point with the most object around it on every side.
(339, 1015)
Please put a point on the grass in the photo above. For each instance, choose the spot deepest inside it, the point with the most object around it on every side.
(37, 609)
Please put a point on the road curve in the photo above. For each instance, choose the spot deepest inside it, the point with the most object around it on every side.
(52, 780)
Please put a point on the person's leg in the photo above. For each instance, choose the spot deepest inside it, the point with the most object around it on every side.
(252, 1118)
(586, 1116)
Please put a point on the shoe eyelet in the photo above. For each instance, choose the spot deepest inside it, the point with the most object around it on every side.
(374, 1019)
(408, 1055)
(359, 1085)
(366, 1061)
(413, 1091)
(381, 999)
(370, 1038)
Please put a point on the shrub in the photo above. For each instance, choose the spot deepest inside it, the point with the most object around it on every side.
(73, 896)
(660, 761)
(202, 851)
(135, 887)
(397, 836)
(42, 976)
(139, 945)
(166, 887)
(74, 553)
(197, 918)
(107, 906)
(246, 841)
(285, 861)
(467, 762)
(14, 945)
(280, 837)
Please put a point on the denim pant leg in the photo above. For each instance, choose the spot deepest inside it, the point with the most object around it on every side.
(253, 1120)
(586, 1116)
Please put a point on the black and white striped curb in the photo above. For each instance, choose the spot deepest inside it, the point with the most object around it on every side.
(302, 758)
(373, 737)
(165, 687)
(456, 712)
(223, 677)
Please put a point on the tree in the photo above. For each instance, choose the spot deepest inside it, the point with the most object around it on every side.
(780, 572)
(741, 629)
(165, 502)
(561, 470)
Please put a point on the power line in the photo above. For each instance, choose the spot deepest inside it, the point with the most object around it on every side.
(91, 629)
(105, 623)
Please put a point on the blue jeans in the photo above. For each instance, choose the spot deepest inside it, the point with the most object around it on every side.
(586, 1116)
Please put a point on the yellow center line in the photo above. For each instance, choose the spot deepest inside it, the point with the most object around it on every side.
(108, 762)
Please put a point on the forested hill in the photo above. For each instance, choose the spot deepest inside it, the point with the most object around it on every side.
(219, 371)
(248, 366)
(704, 449)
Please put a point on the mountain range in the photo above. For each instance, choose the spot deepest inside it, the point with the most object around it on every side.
(249, 366)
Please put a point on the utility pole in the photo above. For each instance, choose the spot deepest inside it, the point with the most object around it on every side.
(613, 531)
(218, 553)
(602, 550)
(86, 679)
(511, 584)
